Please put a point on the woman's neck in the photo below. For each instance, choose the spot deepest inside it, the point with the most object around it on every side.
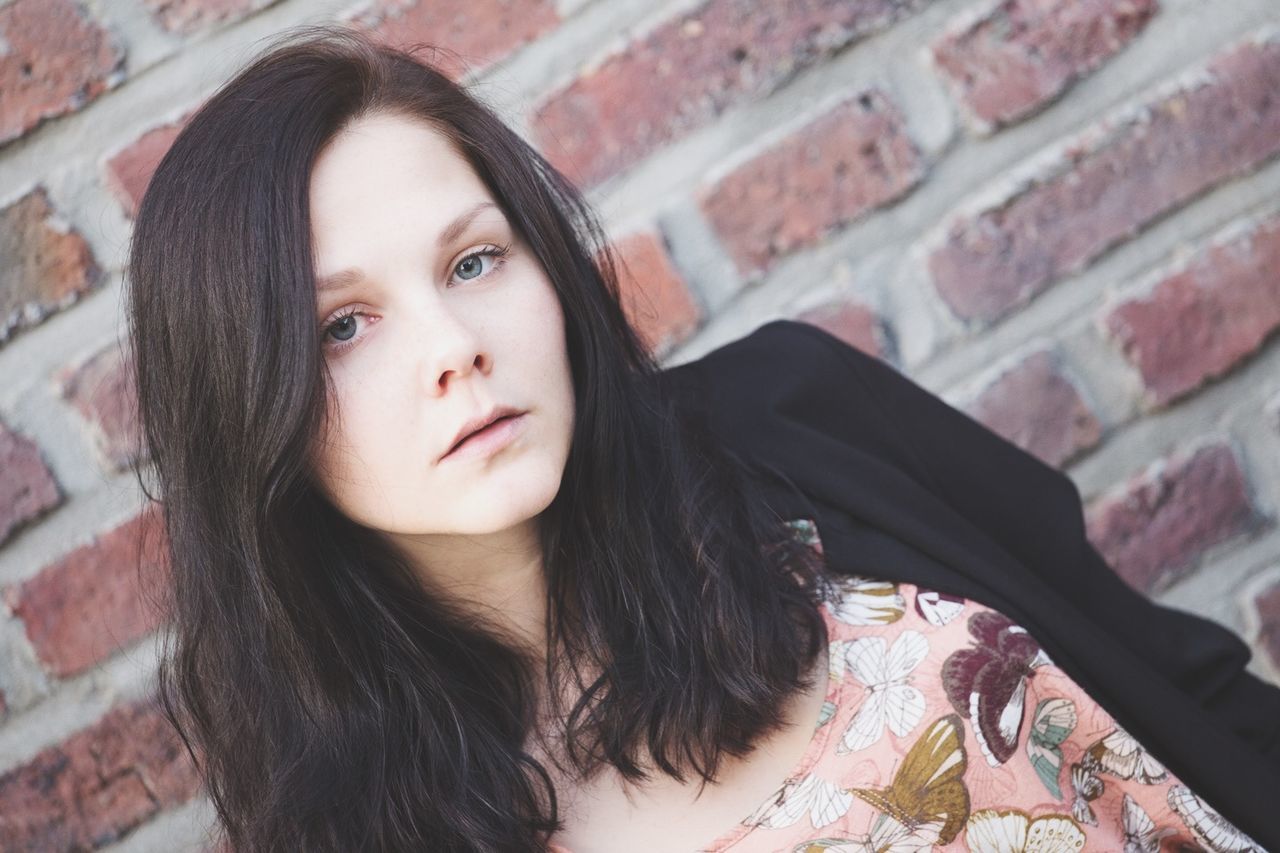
(498, 576)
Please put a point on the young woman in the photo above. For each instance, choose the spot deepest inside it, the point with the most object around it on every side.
(457, 566)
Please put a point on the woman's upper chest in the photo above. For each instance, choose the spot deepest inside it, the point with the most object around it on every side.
(667, 816)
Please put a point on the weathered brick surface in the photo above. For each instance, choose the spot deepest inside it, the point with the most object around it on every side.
(55, 60)
(1158, 523)
(689, 70)
(1022, 54)
(654, 293)
(27, 487)
(98, 785)
(46, 265)
(1267, 609)
(1225, 125)
(1035, 406)
(855, 157)
(639, 90)
(130, 169)
(95, 600)
(1204, 319)
(855, 324)
(187, 16)
(473, 34)
(102, 391)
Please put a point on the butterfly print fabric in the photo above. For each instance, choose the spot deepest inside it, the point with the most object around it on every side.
(947, 727)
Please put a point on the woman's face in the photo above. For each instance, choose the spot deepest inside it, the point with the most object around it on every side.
(424, 329)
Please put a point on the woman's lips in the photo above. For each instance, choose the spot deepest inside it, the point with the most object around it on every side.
(489, 440)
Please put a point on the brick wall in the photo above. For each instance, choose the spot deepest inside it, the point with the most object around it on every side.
(1059, 215)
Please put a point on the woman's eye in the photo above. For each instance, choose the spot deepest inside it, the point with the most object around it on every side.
(342, 331)
(344, 328)
(472, 266)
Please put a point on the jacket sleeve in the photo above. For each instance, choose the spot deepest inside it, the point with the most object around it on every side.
(1034, 512)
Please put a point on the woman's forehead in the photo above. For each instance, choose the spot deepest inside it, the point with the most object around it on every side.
(389, 154)
(390, 173)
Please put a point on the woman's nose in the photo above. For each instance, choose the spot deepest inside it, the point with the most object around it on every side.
(450, 349)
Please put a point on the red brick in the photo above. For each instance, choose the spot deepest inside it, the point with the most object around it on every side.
(1156, 525)
(470, 34)
(689, 70)
(1039, 409)
(81, 609)
(855, 324)
(27, 489)
(1022, 54)
(130, 169)
(138, 738)
(1204, 319)
(1267, 606)
(98, 785)
(654, 293)
(55, 60)
(47, 265)
(187, 16)
(1225, 125)
(854, 158)
(102, 391)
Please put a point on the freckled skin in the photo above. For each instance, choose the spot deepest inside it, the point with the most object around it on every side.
(440, 336)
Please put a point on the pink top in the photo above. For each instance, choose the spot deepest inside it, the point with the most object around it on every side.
(947, 727)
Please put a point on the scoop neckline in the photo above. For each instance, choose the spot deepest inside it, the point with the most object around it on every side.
(818, 742)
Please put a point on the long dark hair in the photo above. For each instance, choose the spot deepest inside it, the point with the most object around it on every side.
(329, 701)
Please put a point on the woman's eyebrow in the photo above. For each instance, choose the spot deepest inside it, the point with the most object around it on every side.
(457, 226)
(348, 277)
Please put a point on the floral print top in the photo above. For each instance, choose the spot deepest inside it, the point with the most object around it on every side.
(947, 727)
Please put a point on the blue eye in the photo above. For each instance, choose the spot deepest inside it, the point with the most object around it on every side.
(342, 321)
(471, 267)
(343, 324)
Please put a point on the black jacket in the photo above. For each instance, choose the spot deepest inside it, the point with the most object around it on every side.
(905, 487)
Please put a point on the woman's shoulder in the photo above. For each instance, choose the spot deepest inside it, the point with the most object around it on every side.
(784, 380)
(776, 354)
